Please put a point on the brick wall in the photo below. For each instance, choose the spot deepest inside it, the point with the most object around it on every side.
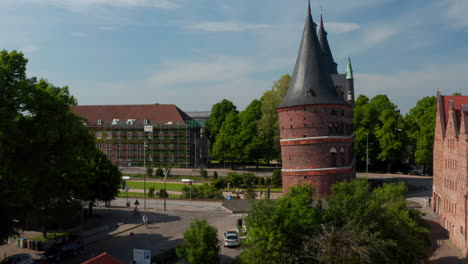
(450, 171)
(316, 146)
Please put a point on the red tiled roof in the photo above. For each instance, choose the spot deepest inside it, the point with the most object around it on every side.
(104, 258)
(459, 100)
(156, 113)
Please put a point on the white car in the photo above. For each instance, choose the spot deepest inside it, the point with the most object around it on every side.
(231, 239)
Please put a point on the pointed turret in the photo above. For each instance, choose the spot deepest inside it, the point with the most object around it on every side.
(322, 35)
(350, 82)
(349, 70)
(311, 82)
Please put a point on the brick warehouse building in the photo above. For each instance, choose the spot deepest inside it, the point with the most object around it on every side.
(450, 196)
(172, 138)
(316, 117)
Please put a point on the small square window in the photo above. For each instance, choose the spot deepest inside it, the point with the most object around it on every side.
(98, 135)
(129, 135)
(139, 135)
(109, 134)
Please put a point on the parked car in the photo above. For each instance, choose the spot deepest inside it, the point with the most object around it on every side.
(231, 239)
(18, 259)
(59, 251)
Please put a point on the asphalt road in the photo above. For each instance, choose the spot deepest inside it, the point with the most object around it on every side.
(164, 231)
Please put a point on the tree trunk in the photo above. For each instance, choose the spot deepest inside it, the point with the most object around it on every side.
(44, 230)
(90, 209)
(257, 164)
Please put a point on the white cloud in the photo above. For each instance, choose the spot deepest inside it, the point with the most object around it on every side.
(340, 27)
(456, 11)
(217, 70)
(376, 35)
(226, 27)
(79, 34)
(80, 4)
(30, 49)
(107, 28)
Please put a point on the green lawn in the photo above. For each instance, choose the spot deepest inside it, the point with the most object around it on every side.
(157, 185)
(271, 189)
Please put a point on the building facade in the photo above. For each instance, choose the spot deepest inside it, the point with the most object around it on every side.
(316, 117)
(159, 135)
(450, 182)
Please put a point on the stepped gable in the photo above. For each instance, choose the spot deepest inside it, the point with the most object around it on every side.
(311, 83)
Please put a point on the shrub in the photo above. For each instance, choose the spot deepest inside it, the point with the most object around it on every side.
(261, 181)
(276, 179)
(215, 175)
(162, 193)
(219, 183)
(159, 172)
(203, 191)
(250, 193)
(203, 173)
(149, 171)
(268, 181)
(248, 179)
(151, 191)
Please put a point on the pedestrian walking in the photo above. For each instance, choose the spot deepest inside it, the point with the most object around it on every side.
(135, 212)
(145, 221)
(430, 200)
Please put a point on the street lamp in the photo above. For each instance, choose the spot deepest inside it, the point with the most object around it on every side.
(165, 190)
(144, 178)
(367, 153)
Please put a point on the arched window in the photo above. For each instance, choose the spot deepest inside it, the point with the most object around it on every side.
(342, 156)
(333, 157)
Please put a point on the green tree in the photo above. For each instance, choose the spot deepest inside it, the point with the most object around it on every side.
(251, 145)
(201, 244)
(268, 127)
(13, 87)
(421, 124)
(227, 145)
(101, 183)
(278, 228)
(276, 179)
(219, 113)
(379, 121)
(159, 172)
(403, 235)
(149, 171)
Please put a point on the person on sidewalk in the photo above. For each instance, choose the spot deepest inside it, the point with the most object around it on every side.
(145, 221)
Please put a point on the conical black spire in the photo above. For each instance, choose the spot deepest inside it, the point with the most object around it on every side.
(311, 82)
(322, 35)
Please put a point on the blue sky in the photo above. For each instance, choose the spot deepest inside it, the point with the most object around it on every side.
(194, 53)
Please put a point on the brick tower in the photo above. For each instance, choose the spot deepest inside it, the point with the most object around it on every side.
(316, 117)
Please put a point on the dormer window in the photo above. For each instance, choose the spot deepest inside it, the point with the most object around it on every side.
(85, 122)
(146, 122)
(100, 122)
(115, 121)
(131, 121)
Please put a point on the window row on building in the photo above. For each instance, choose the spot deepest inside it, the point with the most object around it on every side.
(130, 135)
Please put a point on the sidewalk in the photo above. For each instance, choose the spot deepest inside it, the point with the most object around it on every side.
(443, 250)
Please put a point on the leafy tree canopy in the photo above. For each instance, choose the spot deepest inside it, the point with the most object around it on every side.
(201, 244)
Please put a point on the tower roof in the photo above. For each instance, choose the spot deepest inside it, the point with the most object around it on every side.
(311, 82)
(322, 36)
(349, 70)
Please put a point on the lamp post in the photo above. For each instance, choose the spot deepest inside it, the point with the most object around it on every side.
(367, 153)
(144, 178)
(195, 151)
(165, 191)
